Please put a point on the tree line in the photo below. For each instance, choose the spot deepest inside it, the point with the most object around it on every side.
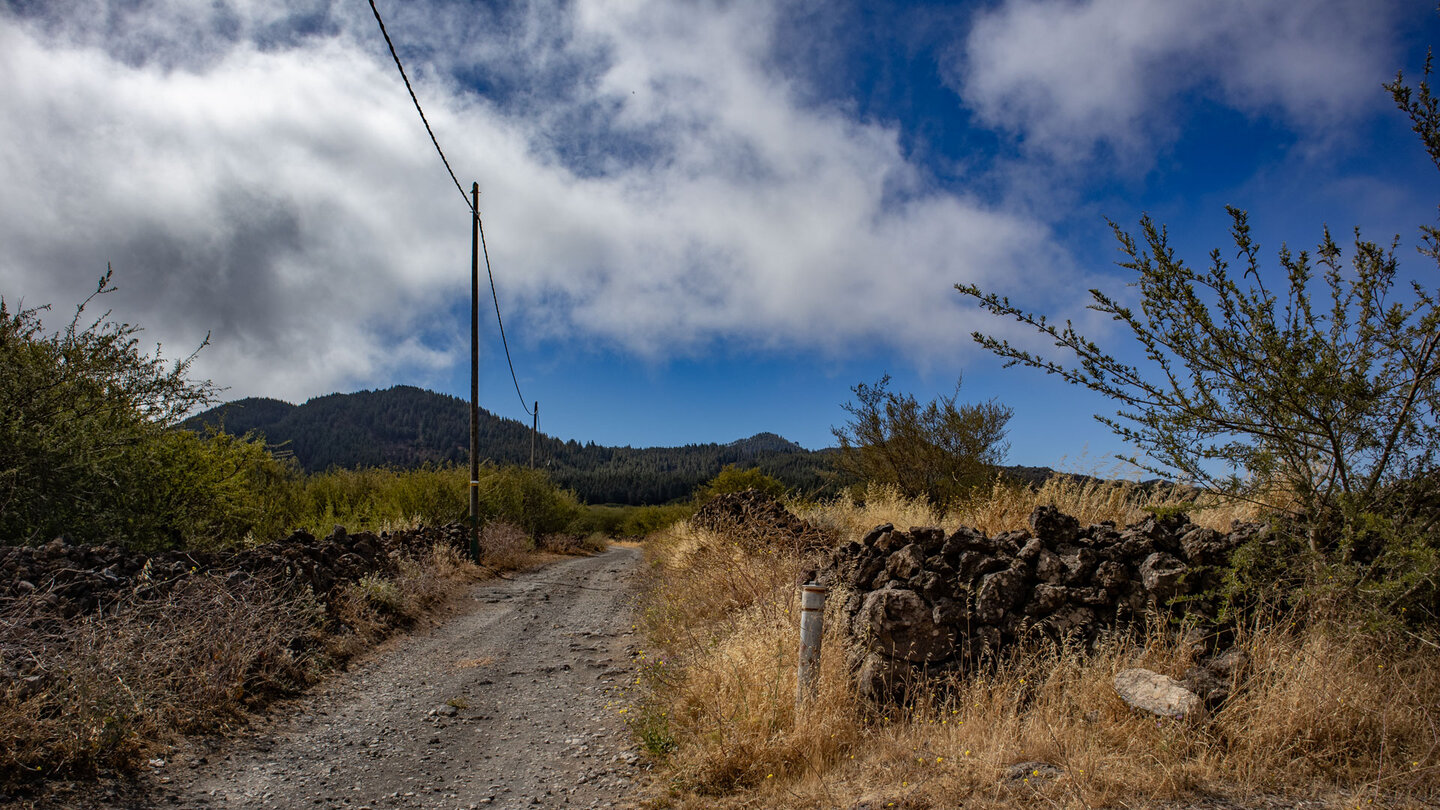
(406, 427)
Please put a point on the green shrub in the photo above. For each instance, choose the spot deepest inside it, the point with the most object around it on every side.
(88, 449)
(526, 498)
(629, 521)
(942, 452)
(1317, 397)
(379, 498)
(733, 479)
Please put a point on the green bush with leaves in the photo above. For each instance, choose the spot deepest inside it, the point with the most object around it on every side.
(526, 498)
(734, 479)
(629, 521)
(1320, 397)
(942, 452)
(87, 447)
(379, 498)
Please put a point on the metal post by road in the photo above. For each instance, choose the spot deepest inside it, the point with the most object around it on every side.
(534, 428)
(475, 372)
(812, 629)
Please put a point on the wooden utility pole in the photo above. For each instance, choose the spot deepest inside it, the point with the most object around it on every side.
(534, 429)
(475, 372)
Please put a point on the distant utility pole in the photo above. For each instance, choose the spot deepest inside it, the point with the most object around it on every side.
(534, 429)
(475, 372)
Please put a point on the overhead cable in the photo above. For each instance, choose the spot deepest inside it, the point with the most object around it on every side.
(418, 109)
(473, 211)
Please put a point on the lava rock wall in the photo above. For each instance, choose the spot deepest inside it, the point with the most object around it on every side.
(756, 520)
(67, 580)
(922, 602)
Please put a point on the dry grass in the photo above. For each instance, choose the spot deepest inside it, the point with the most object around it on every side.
(1322, 710)
(505, 545)
(106, 692)
(1008, 507)
(368, 610)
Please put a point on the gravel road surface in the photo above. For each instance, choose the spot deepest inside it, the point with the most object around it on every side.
(511, 702)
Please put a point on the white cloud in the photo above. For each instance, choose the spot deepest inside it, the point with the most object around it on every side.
(658, 191)
(1070, 76)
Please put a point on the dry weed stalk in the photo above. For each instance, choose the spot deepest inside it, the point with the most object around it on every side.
(504, 545)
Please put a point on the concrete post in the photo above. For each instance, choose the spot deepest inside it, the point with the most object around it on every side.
(812, 629)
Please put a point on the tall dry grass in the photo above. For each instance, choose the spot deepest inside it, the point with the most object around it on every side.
(1323, 710)
(105, 692)
(364, 612)
(1007, 506)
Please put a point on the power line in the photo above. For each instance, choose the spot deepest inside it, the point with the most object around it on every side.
(423, 119)
(498, 321)
(473, 210)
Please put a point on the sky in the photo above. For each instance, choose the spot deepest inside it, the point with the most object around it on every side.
(705, 219)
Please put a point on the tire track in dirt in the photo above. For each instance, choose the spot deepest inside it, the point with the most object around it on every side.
(511, 703)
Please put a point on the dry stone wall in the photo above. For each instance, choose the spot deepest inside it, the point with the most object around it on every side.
(66, 580)
(756, 520)
(923, 601)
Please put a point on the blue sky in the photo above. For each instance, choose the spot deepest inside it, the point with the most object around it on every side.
(707, 219)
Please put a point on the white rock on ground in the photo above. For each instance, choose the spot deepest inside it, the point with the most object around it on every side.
(1157, 694)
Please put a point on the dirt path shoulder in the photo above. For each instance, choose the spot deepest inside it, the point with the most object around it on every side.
(512, 702)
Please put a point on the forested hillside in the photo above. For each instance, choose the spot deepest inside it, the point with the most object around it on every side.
(408, 427)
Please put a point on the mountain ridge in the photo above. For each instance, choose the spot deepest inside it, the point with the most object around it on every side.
(405, 426)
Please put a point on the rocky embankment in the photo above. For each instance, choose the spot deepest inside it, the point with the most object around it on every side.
(60, 580)
(756, 520)
(922, 602)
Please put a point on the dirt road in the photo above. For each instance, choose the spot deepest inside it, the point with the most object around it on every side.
(513, 702)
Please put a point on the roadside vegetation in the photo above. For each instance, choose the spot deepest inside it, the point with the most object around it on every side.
(1309, 404)
(1334, 705)
(91, 455)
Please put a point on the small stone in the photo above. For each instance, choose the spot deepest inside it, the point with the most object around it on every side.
(999, 592)
(1046, 599)
(1049, 568)
(1203, 682)
(1228, 663)
(1031, 771)
(907, 562)
(948, 611)
(1053, 526)
(902, 625)
(1112, 576)
(1161, 573)
(875, 533)
(1157, 694)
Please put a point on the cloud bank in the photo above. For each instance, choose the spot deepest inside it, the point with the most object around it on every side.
(649, 182)
(1068, 77)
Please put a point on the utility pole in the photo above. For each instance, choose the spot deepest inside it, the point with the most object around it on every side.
(534, 429)
(475, 372)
